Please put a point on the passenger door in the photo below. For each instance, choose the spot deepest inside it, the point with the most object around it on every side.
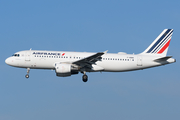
(139, 61)
(28, 56)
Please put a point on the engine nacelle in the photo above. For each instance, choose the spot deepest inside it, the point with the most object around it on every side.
(64, 70)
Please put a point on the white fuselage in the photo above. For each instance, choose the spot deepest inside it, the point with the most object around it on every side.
(36, 59)
(70, 63)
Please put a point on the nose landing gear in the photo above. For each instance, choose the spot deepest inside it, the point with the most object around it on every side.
(27, 75)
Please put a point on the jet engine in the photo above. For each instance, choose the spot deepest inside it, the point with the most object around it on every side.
(64, 70)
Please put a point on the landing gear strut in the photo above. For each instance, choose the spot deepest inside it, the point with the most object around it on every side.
(27, 75)
(85, 77)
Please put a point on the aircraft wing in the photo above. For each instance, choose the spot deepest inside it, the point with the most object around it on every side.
(88, 61)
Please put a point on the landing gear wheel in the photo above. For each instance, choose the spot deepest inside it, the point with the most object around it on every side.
(27, 76)
(85, 78)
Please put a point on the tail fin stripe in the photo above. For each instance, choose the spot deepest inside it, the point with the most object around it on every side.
(159, 47)
(158, 41)
(162, 43)
(164, 48)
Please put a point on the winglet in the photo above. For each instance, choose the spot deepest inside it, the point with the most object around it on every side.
(105, 51)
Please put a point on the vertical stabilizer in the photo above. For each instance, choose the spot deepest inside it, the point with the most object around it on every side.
(161, 44)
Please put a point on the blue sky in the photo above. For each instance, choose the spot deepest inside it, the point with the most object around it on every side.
(91, 26)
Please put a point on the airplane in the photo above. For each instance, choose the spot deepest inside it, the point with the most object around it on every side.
(70, 63)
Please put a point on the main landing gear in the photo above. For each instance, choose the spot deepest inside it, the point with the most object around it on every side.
(85, 77)
(27, 75)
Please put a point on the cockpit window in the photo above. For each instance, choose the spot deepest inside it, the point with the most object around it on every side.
(16, 55)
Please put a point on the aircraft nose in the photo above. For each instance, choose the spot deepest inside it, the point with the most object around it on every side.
(7, 61)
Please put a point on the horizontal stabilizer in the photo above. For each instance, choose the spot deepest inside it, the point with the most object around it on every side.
(162, 59)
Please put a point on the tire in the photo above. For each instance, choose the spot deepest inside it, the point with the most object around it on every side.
(85, 78)
(27, 76)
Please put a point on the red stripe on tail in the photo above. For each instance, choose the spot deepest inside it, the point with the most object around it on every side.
(164, 47)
